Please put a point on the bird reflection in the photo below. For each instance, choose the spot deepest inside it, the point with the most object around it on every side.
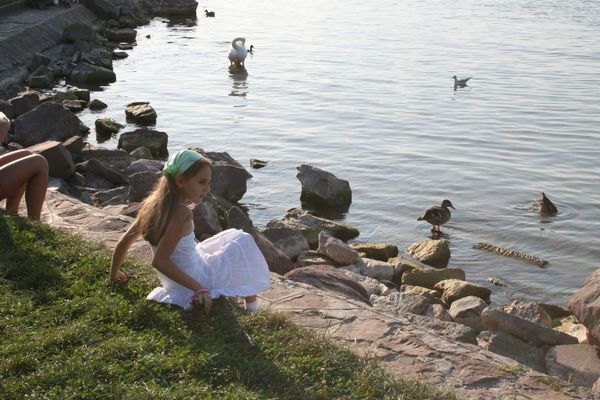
(239, 75)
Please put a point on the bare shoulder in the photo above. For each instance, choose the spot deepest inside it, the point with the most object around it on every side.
(182, 214)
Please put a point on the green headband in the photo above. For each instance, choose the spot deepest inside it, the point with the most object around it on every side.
(179, 162)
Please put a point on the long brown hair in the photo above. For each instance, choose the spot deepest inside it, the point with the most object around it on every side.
(154, 213)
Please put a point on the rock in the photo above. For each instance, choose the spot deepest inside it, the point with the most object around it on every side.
(375, 269)
(73, 105)
(576, 363)
(145, 165)
(121, 35)
(106, 128)
(467, 311)
(141, 152)
(404, 263)
(228, 177)
(59, 159)
(103, 198)
(141, 185)
(585, 305)
(571, 326)
(38, 60)
(402, 302)
(322, 189)
(336, 250)
(431, 252)
(155, 141)
(449, 330)
(92, 74)
(310, 257)
(377, 251)
(430, 277)
(48, 121)
(177, 7)
(97, 105)
(74, 144)
(7, 109)
(104, 8)
(530, 311)
(206, 218)
(118, 159)
(41, 78)
(525, 330)
(24, 103)
(289, 241)
(438, 311)
(107, 172)
(99, 57)
(433, 295)
(79, 32)
(119, 55)
(82, 94)
(502, 343)
(454, 289)
(140, 113)
(256, 164)
(311, 226)
(330, 279)
(372, 286)
(278, 262)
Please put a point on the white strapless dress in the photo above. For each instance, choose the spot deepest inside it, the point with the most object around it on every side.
(228, 264)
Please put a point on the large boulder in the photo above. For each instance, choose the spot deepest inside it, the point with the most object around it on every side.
(104, 9)
(121, 35)
(530, 311)
(431, 252)
(60, 162)
(176, 8)
(206, 218)
(585, 305)
(76, 32)
(336, 249)
(502, 343)
(155, 141)
(48, 121)
(455, 289)
(228, 176)
(291, 241)
(428, 278)
(92, 74)
(322, 189)
(106, 128)
(576, 363)
(140, 112)
(24, 102)
(330, 278)
(467, 311)
(377, 251)
(528, 331)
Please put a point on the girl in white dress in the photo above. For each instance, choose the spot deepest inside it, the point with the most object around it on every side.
(227, 264)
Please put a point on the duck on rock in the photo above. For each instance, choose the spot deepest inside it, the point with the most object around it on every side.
(437, 215)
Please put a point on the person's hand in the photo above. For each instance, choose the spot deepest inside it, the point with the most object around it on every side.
(202, 301)
(119, 277)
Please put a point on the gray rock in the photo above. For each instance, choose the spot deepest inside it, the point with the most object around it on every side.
(506, 345)
(402, 302)
(431, 252)
(141, 152)
(528, 331)
(576, 363)
(155, 141)
(79, 32)
(467, 311)
(377, 251)
(322, 189)
(585, 305)
(290, 241)
(455, 289)
(530, 311)
(439, 312)
(141, 113)
(59, 159)
(106, 128)
(336, 250)
(375, 269)
(74, 144)
(229, 176)
(428, 278)
(104, 8)
(97, 105)
(141, 184)
(109, 173)
(118, 159)
(92, 74)
(206, 218)
(24, 103)
(73, 105)
(121, 35)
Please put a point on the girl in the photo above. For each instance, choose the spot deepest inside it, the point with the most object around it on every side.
(228, 264)
(22, 173)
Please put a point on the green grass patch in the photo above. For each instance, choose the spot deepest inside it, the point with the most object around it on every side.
(66, 332)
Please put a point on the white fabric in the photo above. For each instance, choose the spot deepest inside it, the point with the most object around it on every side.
(228, 264)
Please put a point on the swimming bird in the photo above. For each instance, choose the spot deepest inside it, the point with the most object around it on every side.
(209, 13)
(437, 215)
(251, 49)
(238, 52)
(547, 207)
(460, 83)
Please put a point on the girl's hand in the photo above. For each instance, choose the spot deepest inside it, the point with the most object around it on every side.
(119, 277)
(204, 301)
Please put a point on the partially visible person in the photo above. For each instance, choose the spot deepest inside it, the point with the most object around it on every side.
(22, 173)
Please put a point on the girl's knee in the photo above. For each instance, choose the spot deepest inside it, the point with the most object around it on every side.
(40, 162)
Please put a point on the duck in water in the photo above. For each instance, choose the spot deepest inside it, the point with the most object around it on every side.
(547, 207)
(437, 215)
(209, 13)
(460, 83)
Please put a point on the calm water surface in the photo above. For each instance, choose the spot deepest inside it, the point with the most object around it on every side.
(364, 91)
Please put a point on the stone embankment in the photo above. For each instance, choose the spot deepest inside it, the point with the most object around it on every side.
(418, 316)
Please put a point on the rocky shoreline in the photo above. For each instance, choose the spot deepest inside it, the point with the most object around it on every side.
(419, 285)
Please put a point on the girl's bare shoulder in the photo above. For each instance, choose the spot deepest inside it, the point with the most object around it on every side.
(181, 214)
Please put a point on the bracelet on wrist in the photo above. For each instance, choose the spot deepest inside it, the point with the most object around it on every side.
(197, 292)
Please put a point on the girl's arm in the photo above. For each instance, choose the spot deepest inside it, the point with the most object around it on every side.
(180, 223)
(120, 251)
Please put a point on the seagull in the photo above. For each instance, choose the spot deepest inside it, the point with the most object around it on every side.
(209, 13)
(437, 215)
(238, 52)
(547, 207)
(460, 83)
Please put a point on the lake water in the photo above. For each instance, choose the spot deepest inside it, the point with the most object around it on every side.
(364, 90)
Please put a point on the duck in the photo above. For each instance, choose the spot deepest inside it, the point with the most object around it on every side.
(209, 13)
(547, 207)
(460, 83)
(251, 49)
(238, 52)
(437, 215)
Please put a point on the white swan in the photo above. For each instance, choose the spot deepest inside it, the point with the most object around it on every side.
(238, 53)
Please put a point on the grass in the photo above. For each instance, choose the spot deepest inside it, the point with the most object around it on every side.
(67, 333)
(6, 2)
